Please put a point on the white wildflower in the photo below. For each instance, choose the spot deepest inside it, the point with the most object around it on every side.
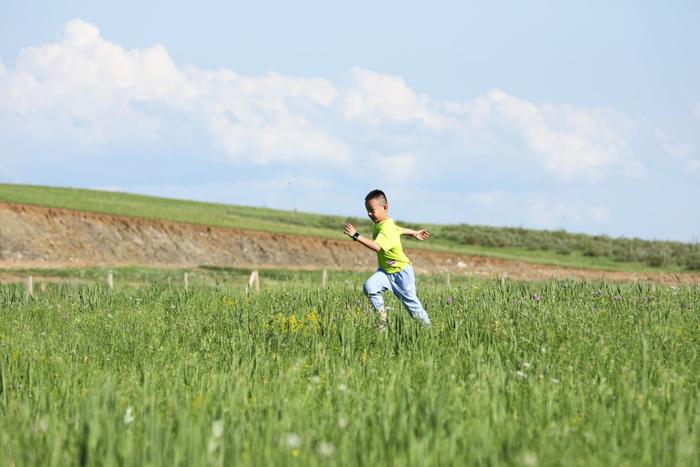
(212, 445)
(520, 374)
(526, 365)
(128, 415)
(293, 440)
(217, 429)
(326, 449)
(342, 423)
(529, 459)
(43, 425)
(342, 387)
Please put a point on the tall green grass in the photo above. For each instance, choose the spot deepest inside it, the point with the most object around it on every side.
(551, 373)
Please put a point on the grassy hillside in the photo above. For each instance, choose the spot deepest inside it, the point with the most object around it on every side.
(537, 246)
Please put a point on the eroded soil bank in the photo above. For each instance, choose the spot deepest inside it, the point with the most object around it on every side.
(33, 236)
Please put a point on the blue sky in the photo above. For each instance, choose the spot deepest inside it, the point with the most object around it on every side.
(576, 115)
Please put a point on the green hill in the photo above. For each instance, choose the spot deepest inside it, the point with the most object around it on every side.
(536, 246)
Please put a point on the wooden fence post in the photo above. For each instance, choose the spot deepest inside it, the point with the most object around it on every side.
(110, 280)
(253, 281)
(30, 286)
(449, 281)
(187, 282)
(324, 278)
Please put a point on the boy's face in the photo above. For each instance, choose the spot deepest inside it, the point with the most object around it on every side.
(376, 209)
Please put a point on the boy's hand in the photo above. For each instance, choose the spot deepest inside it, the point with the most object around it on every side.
(349, 230)
(421, 234)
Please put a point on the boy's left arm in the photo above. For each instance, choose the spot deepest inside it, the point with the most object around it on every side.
(417, 234)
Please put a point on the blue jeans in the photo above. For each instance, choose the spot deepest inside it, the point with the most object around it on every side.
(403, 284)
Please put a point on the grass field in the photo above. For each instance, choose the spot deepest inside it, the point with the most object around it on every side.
(535, 246)
(551, 373)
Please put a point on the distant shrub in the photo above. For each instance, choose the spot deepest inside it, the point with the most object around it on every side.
(561, 247)
(692, 261)
(659, 259)
(623, 253)
(471, 239)
(595, 249)
(652, 252)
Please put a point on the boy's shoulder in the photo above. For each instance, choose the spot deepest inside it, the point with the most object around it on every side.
(386, 223)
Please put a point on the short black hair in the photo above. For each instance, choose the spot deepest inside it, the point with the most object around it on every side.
(376, 194)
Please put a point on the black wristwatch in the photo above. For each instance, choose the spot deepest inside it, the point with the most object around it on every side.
(355, 236)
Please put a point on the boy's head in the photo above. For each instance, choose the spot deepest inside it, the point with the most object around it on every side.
(377, 206)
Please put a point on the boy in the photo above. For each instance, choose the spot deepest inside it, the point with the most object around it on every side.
(395, 271)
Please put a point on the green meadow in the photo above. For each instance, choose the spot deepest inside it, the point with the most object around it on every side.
(510, 373)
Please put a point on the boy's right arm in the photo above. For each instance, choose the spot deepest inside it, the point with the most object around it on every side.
(367, 242)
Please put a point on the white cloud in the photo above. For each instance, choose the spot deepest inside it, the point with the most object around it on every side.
(96, 92)
(549, 214)
(571, 143)
(486, 198)
(398, 169)
(84, 88)
(87, 90)
(678, 150)
(285, 142)
(693, 165)
(111, 189)
(375, 98)
(301, 193)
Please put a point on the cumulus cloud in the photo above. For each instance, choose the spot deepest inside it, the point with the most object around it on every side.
(301, 193)
(550, 214)
(678, 150)
(85, 87)
(93, 92)
(693, 165)
(486, 198)
(376, 98)
(96, 92)
(281, 141)
(570, 142)
(111, 188)
(397, 169)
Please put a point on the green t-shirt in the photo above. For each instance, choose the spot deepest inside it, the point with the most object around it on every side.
(391, 257)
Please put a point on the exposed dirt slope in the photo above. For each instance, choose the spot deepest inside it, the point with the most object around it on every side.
(32, 236)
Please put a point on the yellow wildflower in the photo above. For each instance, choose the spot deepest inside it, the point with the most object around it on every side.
(294, 323)
(364, 357)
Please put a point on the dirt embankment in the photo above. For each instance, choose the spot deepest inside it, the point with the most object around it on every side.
(32, 236)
